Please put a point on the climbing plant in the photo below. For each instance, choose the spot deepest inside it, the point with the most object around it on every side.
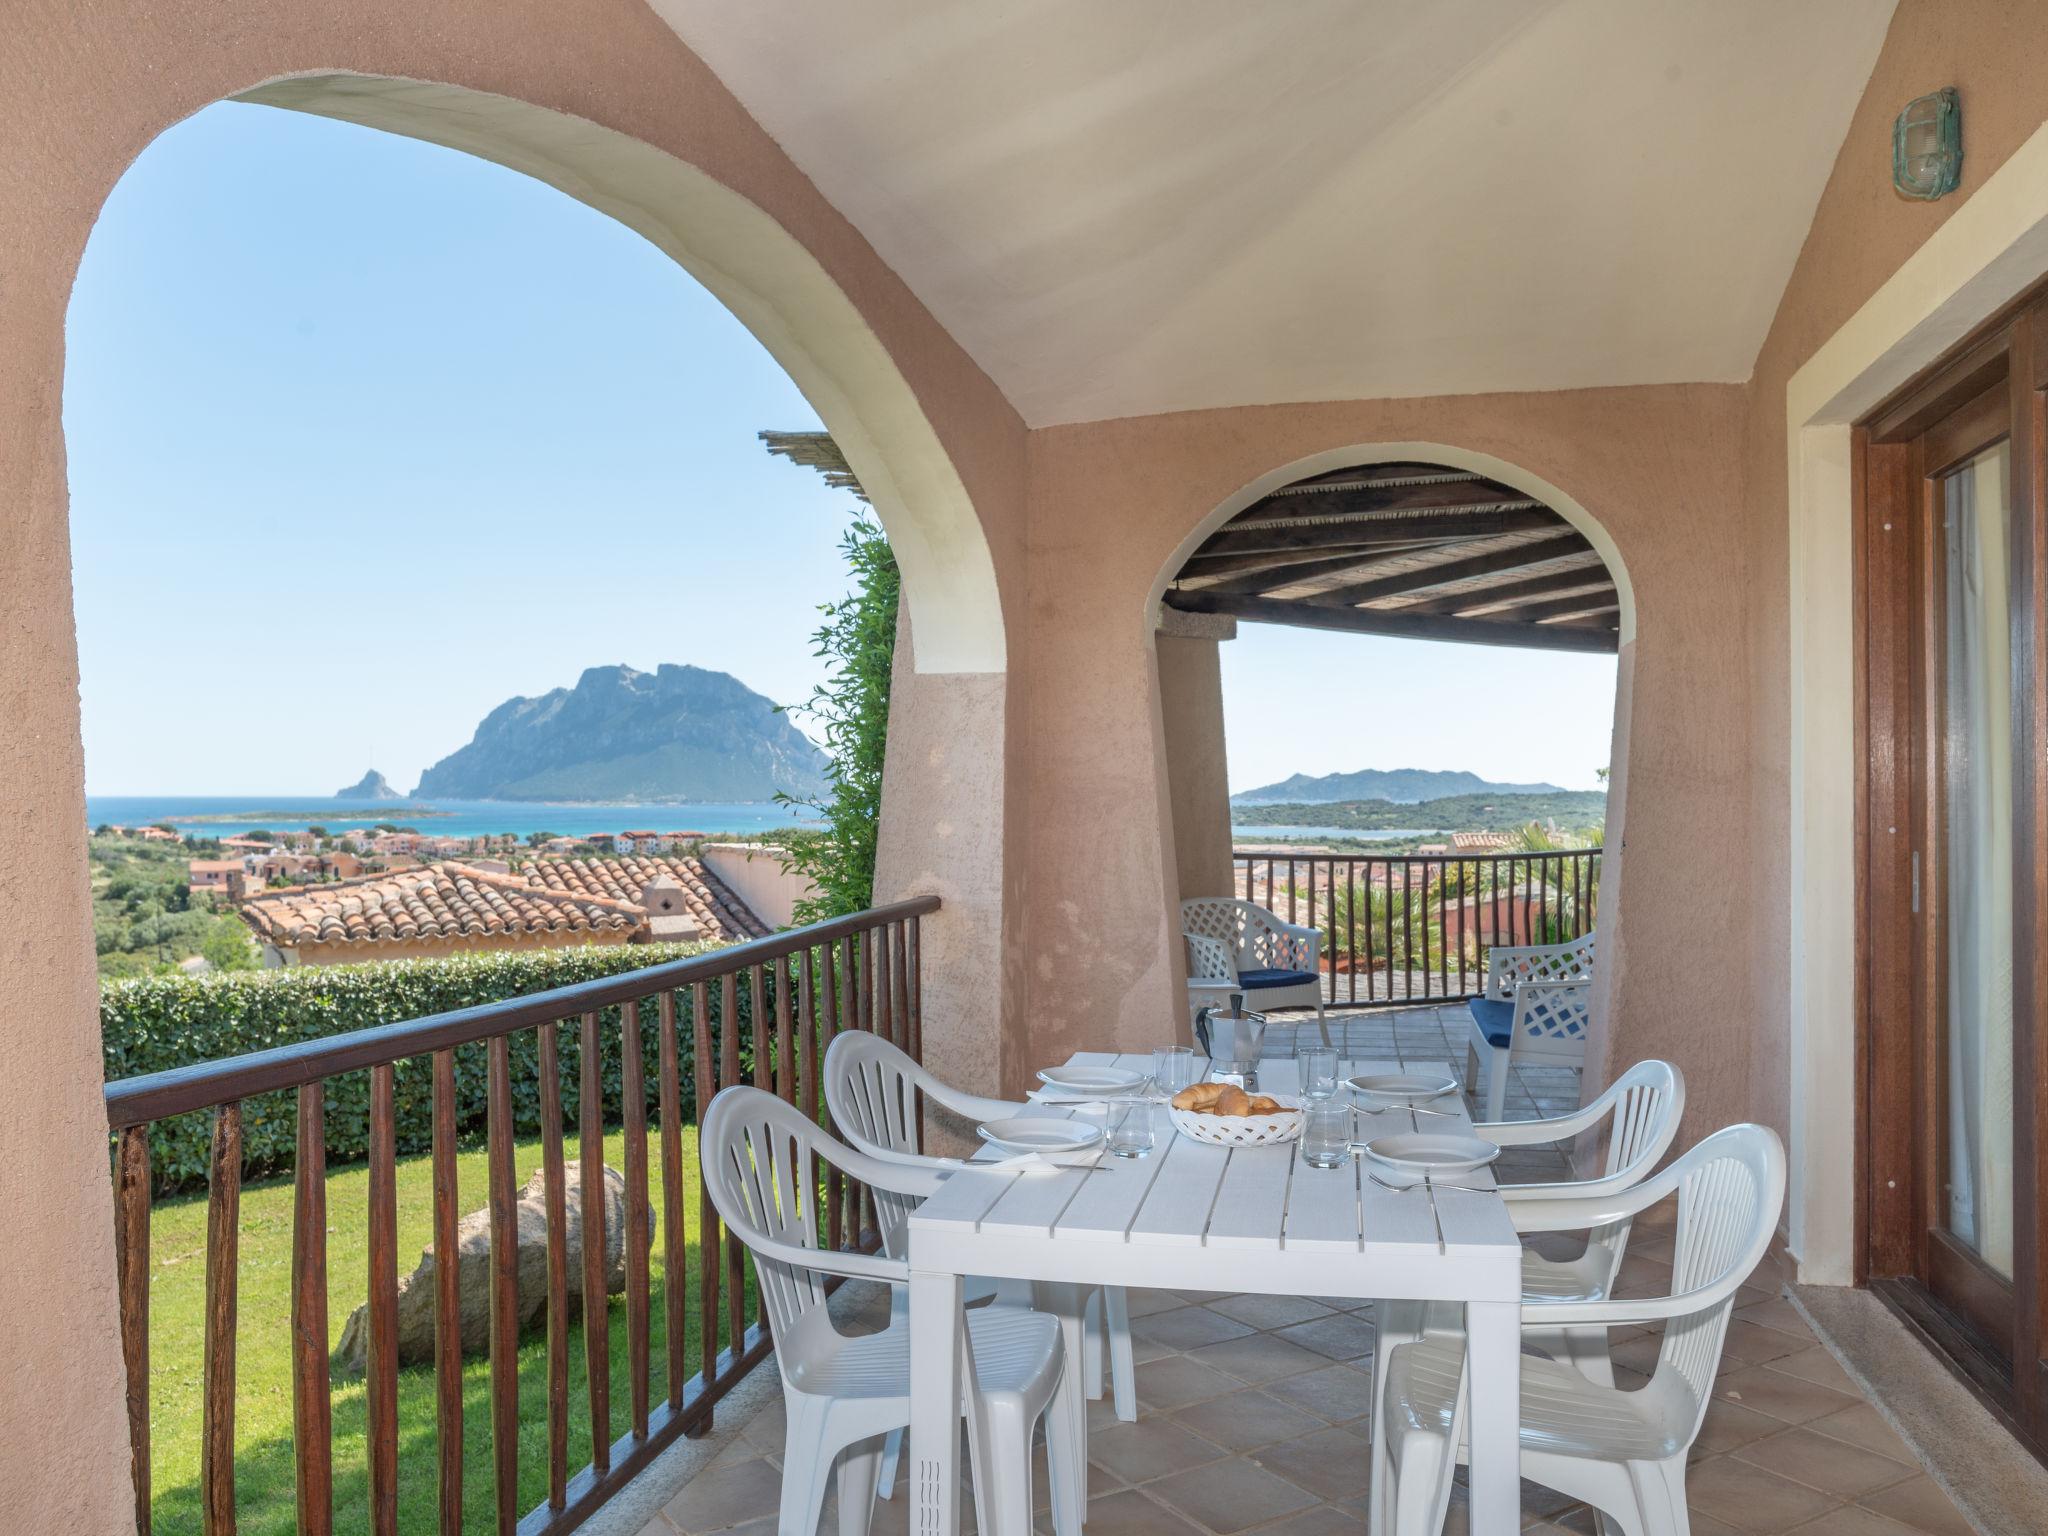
(858, 638)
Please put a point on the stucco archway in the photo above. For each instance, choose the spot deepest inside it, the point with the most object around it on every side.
(1197, 820)
(609, 107)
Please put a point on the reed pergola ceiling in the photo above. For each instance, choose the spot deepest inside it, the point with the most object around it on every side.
(1420, 551)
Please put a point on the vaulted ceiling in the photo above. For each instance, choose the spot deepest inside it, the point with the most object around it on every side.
(1120, 207)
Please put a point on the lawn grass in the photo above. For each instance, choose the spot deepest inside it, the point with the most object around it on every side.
(263, 1398)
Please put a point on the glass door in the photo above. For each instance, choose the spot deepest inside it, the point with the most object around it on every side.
(1975, 1022)
(1952, 872)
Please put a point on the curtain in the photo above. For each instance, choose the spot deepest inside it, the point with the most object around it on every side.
(1979, 858)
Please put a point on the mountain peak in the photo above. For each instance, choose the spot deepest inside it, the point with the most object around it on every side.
(371, 786)
(676, 734)
(1403, 786)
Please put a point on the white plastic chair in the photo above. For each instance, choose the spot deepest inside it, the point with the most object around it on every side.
(1538, 1006)
(874, 1090)
(761, 1160)
(1236, 947)
(1641, 1110)
(1624, 1453)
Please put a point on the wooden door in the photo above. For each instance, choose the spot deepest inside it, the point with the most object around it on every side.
(1951, 869)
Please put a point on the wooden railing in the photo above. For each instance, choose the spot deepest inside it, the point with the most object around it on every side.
(1418, 927)
(799, 988)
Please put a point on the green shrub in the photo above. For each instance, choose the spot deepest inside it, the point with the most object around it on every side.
(154, 1023)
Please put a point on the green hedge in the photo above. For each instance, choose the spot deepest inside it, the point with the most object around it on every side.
(153, 1023)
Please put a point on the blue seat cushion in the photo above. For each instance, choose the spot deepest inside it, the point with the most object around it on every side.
(1496, 1019)
(1253, 981)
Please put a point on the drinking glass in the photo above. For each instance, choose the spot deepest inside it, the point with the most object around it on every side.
(1326, 1137)
(1173, 1068)
(1318, 1064)
(1130, 1128)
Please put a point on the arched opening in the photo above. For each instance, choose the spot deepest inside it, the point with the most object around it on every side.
(1389, 698)
(781, 294)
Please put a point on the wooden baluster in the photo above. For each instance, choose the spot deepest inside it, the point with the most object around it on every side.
(633, 1084)
(835, 1181)
(735, 1251)
(807, 1095)
(217, 1407)
(447, 1300)
(675, 1275)
(381, 1382)
(914, 990)
(312, 1407)
(899, 982)
(504, 1293)
(707, 1213)
(785, 1059)
(131, 1267)
(884, 991)
(760, 1028)
(597, 1345)
(555, 1188)
(1387, 927)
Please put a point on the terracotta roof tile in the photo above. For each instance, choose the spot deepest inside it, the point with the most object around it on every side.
(452, 900)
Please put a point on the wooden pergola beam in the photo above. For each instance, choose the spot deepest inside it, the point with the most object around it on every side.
(1355, 500)
(1369, 621)
(1584, 578)
(1270, 571)
(1365, 533)
(1585, 605)
(1540, 552)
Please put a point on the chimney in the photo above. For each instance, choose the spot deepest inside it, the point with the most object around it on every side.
(669, 919)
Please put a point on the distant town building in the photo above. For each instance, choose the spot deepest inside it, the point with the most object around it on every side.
(211, 874)
(1479, 842)
(454, 908)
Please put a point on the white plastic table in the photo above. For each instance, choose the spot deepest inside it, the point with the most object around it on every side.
(1192, 1216)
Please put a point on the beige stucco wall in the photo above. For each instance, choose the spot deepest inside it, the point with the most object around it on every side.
(757, 875)
(1995, 53)
(1112, 502)
(1198, 781)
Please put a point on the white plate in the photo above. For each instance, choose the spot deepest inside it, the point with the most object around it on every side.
(1025, 1134)
(1092, 1082)
(1420, 1152)
(1409, 1087)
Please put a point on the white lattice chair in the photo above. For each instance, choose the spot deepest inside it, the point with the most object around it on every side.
(1538, 1006)
(1622, 1451)
(1236, 947)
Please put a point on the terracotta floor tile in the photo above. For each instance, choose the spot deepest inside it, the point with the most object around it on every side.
(658, 1526)
(1335, 1393)
(1822, 1463)
(1751, 1498)
(1853, 1520)
(1781, 1396)
(1152, 1447)
(1331, 1464)
(1778, 1312)
(1863, 1425)
(717, 1500)
(1817, 1365)
(1230, 1496)
(1177, 1381)
(1342, 1336)
(1259, 1357)
(1920, 1503)
(1757, 1345)
(1269, 1311)
(1131, 1513)
(1245, 1420)
(1728, 1425)
(1140, 1302)
(1323, 1520)
(1187, 1328)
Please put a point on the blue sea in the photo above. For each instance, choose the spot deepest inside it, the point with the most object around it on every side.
(224, 816)
(1245, 829)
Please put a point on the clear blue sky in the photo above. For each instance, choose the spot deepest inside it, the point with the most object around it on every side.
(366, 436)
